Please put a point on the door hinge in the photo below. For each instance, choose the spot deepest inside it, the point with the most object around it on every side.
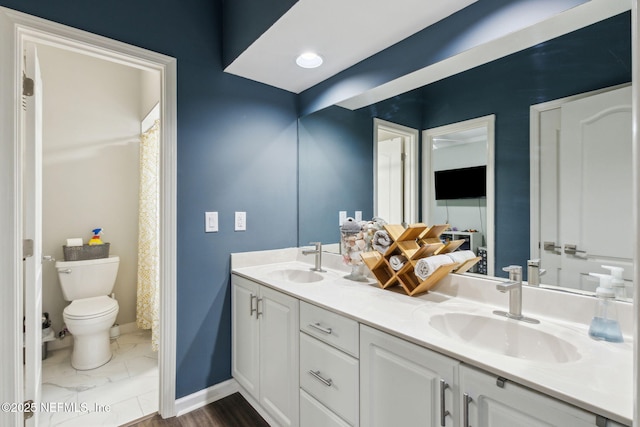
(27, 85)
(27, 248)
(28, 409)
(501, 381)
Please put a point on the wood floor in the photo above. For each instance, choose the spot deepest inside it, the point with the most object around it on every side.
(231, 411)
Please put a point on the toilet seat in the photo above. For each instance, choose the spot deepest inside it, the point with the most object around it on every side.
(90, 308)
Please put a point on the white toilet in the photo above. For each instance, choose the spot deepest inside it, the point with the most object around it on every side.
(92, 312)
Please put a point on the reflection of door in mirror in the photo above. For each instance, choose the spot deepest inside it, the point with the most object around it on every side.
(396, 172)
(585, 188)
(458, 180)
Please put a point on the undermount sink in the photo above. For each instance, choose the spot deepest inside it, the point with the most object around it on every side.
(505, 336)
(295, 275)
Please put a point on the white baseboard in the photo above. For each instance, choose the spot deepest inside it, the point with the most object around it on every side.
(204, 397)
(127, 328)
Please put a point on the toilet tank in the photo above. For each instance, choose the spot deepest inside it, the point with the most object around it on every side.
(87, 278)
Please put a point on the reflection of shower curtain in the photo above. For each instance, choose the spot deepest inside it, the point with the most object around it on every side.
(148, 305)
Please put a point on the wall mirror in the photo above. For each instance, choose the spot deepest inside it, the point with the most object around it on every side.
(457, 182)
(336, 157)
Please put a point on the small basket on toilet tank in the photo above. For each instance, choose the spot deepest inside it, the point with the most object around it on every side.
(84, 252)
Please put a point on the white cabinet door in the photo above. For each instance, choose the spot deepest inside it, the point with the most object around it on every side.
(265, 348)
(279, 344)
(490, 405)
(244, 334)
(400, 383)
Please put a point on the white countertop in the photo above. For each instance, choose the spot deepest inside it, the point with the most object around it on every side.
(600, 381)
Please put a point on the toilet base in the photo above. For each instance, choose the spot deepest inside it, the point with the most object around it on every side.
(91, 351)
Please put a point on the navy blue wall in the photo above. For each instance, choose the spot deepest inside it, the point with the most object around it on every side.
(336, 163)
(237, 151)
(336, 172)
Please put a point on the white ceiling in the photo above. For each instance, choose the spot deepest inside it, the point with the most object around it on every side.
(343, 32)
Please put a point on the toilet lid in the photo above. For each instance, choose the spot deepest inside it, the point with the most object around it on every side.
(91, 307)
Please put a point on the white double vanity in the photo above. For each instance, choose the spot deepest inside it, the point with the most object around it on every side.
(316, 350)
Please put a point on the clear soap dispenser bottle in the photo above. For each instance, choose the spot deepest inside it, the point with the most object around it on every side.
(604, 325)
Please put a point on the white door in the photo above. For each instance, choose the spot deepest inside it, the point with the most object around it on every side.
(402, 384)
(32, 180)
(595, 193)
(390, 173)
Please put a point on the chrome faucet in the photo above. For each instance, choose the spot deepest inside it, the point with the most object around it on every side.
(534, 272)
(318, 253)
(514, 287)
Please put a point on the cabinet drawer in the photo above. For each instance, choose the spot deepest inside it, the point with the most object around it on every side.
(315, 414)
(330, 327)
(330, 376)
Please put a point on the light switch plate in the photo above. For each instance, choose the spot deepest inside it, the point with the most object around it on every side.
(241, 221)
(211, 222)
(358, 216)
(342, 217)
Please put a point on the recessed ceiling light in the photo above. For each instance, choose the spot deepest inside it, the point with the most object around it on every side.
(309, 60)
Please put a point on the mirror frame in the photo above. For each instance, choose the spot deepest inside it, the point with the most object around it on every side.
(428, 135)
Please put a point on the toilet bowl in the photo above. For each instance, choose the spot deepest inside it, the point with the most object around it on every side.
(89, 321)
(92, 312)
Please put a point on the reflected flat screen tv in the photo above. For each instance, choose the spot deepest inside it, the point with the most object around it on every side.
(462, 183)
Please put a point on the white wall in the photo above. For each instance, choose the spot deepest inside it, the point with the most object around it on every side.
(150, 91)
(91, 128)
(465, 214)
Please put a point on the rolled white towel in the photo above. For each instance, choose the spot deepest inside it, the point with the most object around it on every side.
(397, 262)
(461, 256)
(426, 266)
(381, 241)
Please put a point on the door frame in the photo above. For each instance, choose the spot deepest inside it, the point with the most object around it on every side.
(29, 28)
(411, 195)
(489, 123)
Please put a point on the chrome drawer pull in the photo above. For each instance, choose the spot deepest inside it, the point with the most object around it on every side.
(258, 308)
(251, 309)
(317, 326)
(316, 375)
(465, 409)
(443, 409)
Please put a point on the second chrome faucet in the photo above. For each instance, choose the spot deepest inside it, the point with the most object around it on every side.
(514, 288)
(318, 253)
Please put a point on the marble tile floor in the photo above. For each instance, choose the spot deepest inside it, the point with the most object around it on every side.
(114, 394)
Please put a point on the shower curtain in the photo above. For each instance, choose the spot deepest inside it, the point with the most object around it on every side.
(148, 304)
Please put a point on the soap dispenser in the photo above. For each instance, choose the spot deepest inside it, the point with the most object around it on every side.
(617, 282)
(604, 325)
